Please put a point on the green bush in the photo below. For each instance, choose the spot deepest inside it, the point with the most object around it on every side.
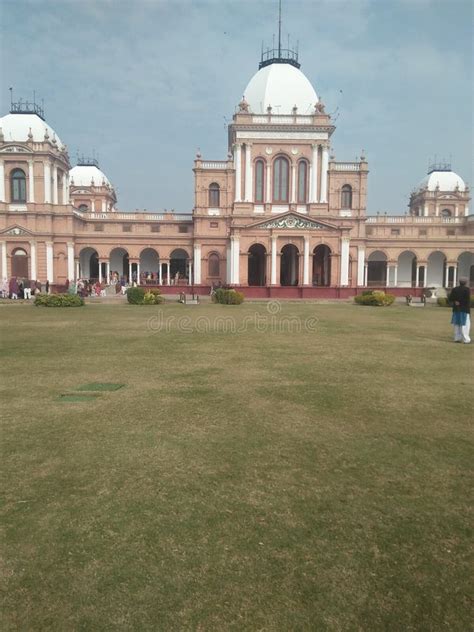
(227, 297)
(443, 301)
(135, 295)
(58, 300)
(375, 298)
(152, 297)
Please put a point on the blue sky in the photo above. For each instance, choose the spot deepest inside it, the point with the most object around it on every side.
(145, 83)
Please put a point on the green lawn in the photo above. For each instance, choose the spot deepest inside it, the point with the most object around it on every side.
(261, 480)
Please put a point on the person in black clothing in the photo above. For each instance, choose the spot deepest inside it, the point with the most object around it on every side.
(460, 299)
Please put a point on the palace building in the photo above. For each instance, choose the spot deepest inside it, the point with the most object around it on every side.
(278, 217)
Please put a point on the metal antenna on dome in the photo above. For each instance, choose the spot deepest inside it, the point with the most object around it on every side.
(279, 29)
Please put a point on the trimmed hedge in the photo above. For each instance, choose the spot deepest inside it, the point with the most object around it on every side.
(227, 297)
(374, 298)
(139, 296)
(444, 302)
(58, 300)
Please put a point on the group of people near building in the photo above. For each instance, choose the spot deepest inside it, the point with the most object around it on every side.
(16, 288)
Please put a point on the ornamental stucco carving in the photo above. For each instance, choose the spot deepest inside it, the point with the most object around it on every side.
(292, 221)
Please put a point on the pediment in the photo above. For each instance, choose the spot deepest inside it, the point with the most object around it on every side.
(15, 149)
(292, 221)
(16, 231)
(80, 192)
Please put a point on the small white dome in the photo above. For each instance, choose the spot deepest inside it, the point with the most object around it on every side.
(282, 86)
(444, 180)
(16, 127)
(83, 175)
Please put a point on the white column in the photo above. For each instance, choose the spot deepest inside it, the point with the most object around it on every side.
(248, 173)
(130, 273)
(324, 175)
(238, 172)
(168, 278)
(360, 265)
(268, 197)
(466, 211)
(274, 261)
(160, 272)
(436, 209)
(100, 271)
(313, 195)
(2, 181)
(65, 197)
(47, 182)
(417, 276)
(33, 266)
(55, 184)
(3, 247)
(456, 211)
(107, 271)
(197, 264)
(455, 275)
(387, 280)
(235, 259)
(138, 273)
(395, 276)
(93, 206)
(344, 279)
(446, 276)
(366, 274)
(70, 261)
(306, 261)
(293, 184)
(104, 206)
(78, 270)
(31, 182)
(49, 262)
(190, 274)
(425, 210)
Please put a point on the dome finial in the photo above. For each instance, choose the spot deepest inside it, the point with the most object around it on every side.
(243, 106)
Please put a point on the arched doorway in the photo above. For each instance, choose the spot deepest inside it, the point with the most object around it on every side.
(149, 265)
(19, 264)
(466, 267)
(88, 264)
(436, 269)
(257, 263)
(289, 265)
(406, 274)
(322, 265)
(178, 264)
(118, 259)
(377, 268)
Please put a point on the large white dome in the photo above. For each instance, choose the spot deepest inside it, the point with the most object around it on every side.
(84, 174)
(282, 86)
(444, 180)
(16, 127)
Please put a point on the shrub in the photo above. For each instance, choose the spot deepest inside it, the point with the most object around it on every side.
(135, 295)
(375, 298)
(152, 297)
(227, 297)
(58, 300)
(443, 301)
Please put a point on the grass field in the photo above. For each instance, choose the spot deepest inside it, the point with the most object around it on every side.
(261, 480)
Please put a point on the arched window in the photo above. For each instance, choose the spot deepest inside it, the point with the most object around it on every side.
(213, 265)
(259, 181)
(18, 182)
(446, 212)
(346, 196)
(302, 181)
(214, 195)
(281, 187)
(83, 208)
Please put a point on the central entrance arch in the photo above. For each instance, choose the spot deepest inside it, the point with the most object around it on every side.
(377, 268)
(119, 262)
(257, 260)
(178, 260)
(289, 265)
(20, 264)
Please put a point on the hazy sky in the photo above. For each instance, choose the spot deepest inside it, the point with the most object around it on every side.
(145, 83)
